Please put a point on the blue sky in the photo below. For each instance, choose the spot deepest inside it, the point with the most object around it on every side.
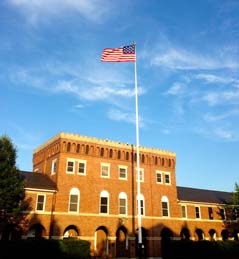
(52, 80)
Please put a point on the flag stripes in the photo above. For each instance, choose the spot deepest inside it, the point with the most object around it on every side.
(122, 54)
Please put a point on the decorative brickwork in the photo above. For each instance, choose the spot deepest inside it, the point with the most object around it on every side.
(87, 202)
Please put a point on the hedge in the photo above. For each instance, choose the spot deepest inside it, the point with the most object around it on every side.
(45, 248)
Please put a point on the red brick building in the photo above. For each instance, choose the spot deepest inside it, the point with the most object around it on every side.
(86, 188)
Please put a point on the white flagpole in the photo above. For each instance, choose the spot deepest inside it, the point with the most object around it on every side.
(137, 153)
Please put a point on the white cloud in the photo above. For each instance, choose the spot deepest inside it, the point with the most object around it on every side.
(224, 134)
(97, 85)
(181, 59)
(79, 106)
(176, 89)
(213, 79)
(214, 98)
(219, 117)
(92, 92)
(118, 115)
(35, 10)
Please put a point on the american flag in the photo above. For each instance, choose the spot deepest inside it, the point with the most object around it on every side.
(122, 54)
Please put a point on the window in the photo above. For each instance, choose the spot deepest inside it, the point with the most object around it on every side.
(127, 156)
(164, 203)
(156, 161)
(68, 147)
(169, 162)
(159, 177)
(104, 200)
(222, 213)
(78, 148)
(184, 211)
(140, 199)
(197, 212)
(210, 213)
(142, 158)
(70, 168)
(141, 174)
(87, 149)
(53, 166)
(167, 178)
(74, 200)
(105, 170)
(82, 167)
(40, 202)
(119, 154)
(123, 203)
(111, 153)
(122, 172)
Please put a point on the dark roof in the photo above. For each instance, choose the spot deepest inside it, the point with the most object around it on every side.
(38, 181)
(201, 195)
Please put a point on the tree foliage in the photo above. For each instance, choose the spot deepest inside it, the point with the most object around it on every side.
(236, 195)
(11, 181)
(232, 214)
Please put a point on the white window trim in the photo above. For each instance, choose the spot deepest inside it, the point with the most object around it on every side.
(165, 199)
(167, 173)
(74, 165)
(83, 162)
(107, 165)
(126, 172)
(54, 161)
(44, 203)
(199, 210)
(186, 212)
(159, 172)
(105, 194)
(141, 198)
(141, 172)
(123, 195)
(74, 191)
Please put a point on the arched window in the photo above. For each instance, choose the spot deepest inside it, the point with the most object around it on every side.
(87, 149)
(104, 202)
(156, 161)
(119, 154)
(111, 153)
(142, 208)
(123, 203)
(200, 234)
(102, 151)
(142, 158)
(185, 234)
(74, 200)
(78, 148)
(212, 234)
(127, 156)
(165, 207)
(68, 147)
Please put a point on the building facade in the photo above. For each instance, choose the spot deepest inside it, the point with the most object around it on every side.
(86, 188)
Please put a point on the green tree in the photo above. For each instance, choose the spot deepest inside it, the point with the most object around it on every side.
(11, 184)
(232, 214)
(236, 195)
